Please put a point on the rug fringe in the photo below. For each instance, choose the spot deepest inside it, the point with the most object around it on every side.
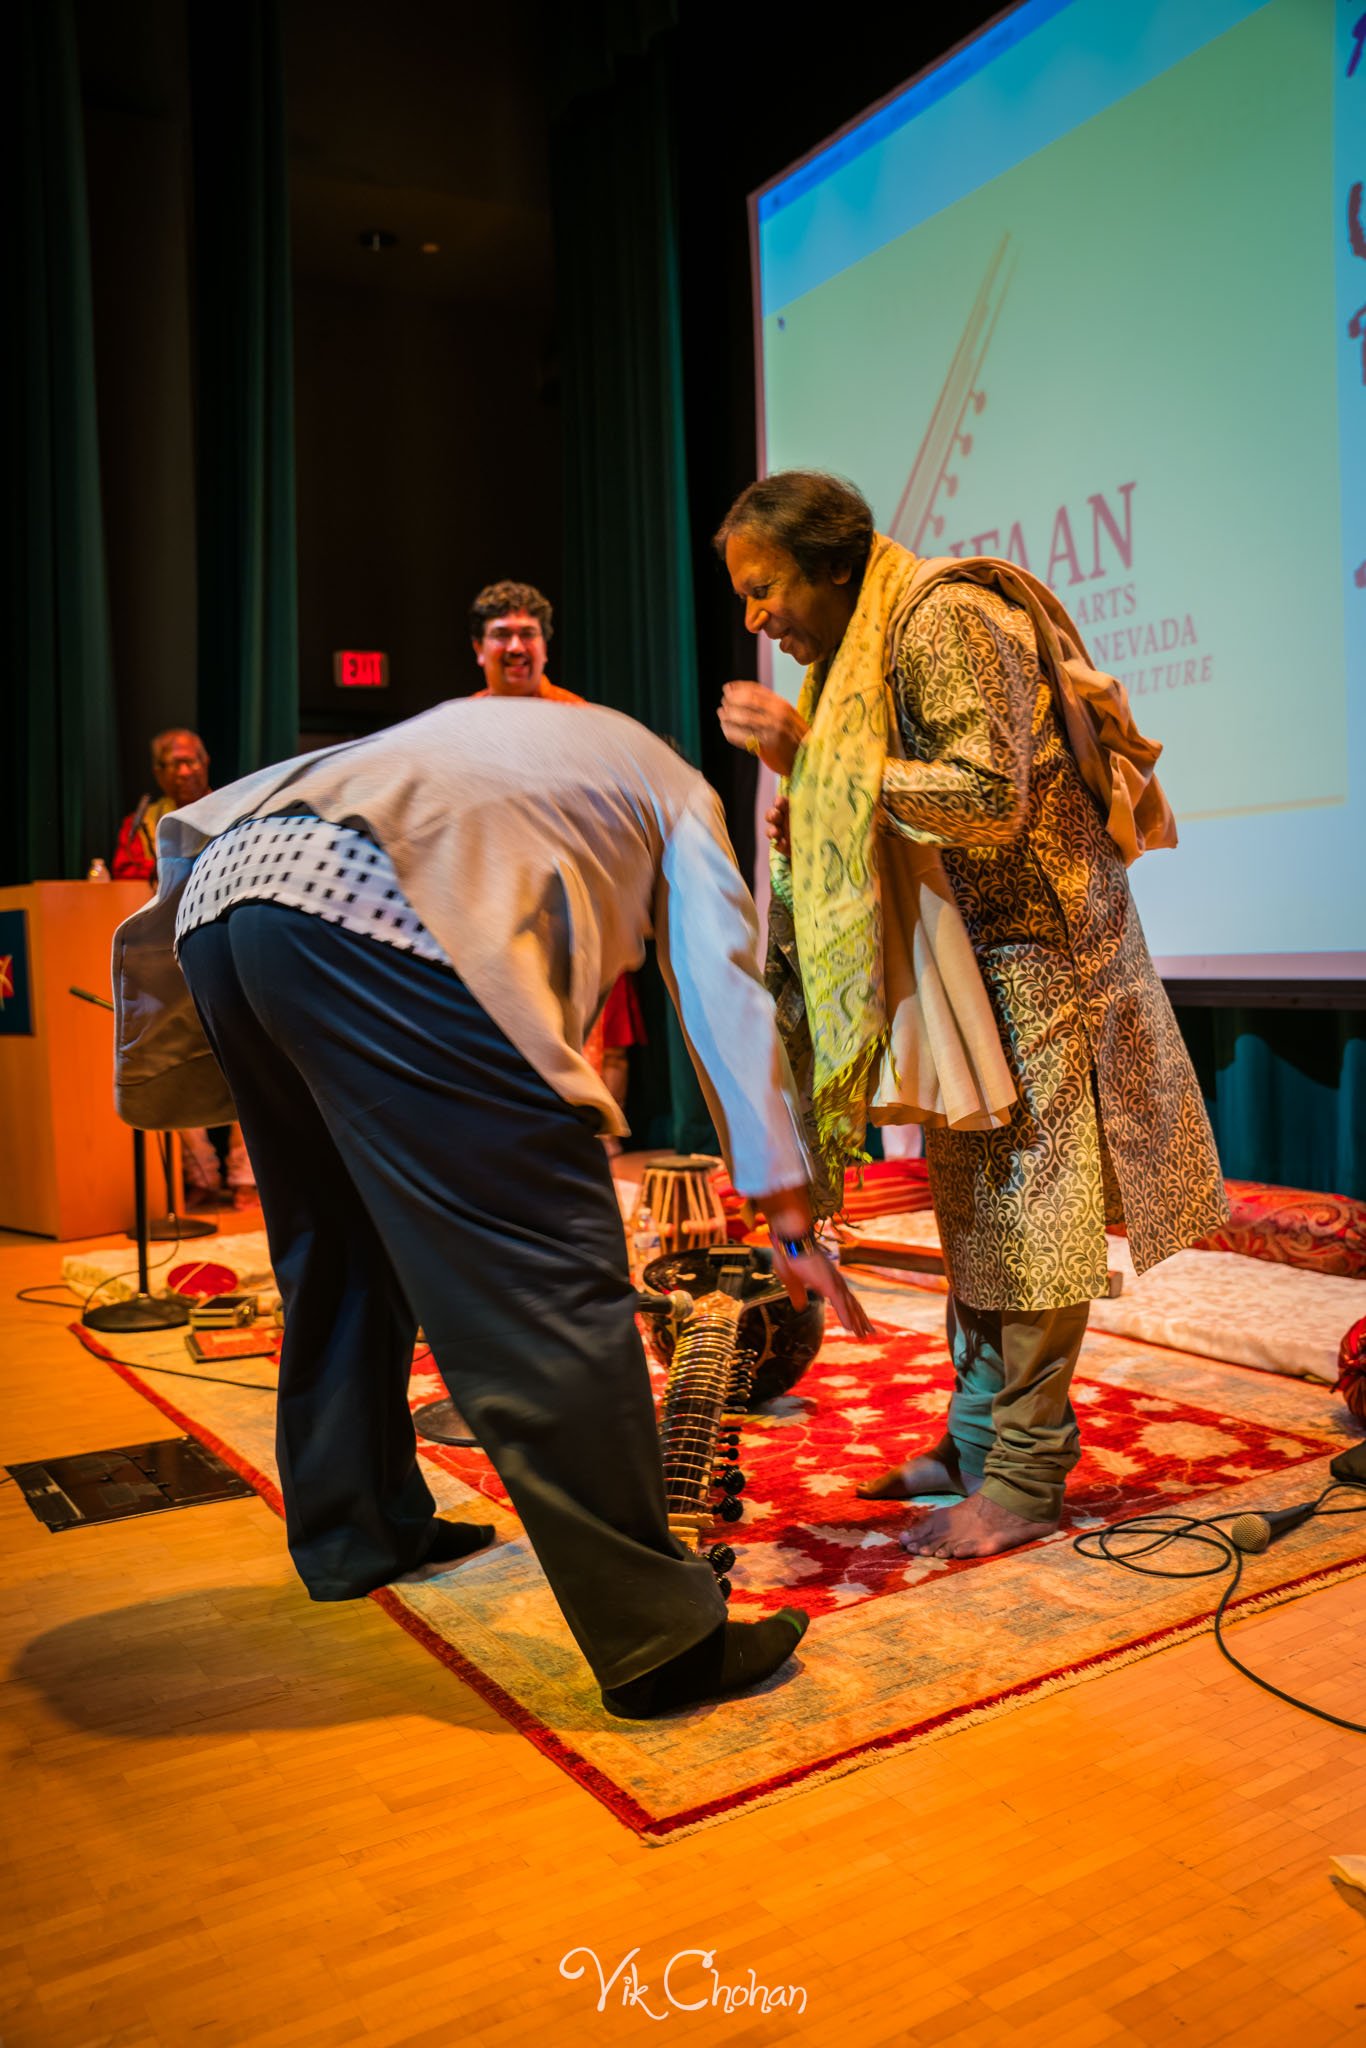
(970, 1717)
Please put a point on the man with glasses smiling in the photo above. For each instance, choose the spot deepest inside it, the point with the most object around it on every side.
(510, 625)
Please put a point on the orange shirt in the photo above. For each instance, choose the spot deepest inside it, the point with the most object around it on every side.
(551, 692)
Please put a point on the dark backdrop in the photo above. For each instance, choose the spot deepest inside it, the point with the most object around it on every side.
(426, 401)
(428, 454)
(749, 99)
(136, 93)
(427, 411)
(427, 382)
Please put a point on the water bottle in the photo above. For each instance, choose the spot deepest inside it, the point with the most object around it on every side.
(97, 871)
(645, 1246)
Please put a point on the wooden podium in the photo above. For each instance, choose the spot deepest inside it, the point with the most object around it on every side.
(68, 1160)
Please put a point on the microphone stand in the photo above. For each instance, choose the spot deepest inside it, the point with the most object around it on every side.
(145, 1311)
(173, 1228)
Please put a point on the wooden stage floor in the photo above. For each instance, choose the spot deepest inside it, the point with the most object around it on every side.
(232, 1817)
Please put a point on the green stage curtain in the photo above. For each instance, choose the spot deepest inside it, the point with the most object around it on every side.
(626, 613)
(628, 631)
(1286, 1093)
(244, 403)
(60, 797)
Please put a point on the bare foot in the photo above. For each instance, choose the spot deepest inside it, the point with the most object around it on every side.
(245, 1198)
(976, 1527)
(934, 1471)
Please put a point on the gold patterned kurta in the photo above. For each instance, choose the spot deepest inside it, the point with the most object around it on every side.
(1110, 1125)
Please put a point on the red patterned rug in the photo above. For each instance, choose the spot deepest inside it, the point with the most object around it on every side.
(900, 1650)
(805, 1535)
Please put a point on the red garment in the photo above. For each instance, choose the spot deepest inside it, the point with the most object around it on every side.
(1351, 1382)
(135, 855)
(623, 1022)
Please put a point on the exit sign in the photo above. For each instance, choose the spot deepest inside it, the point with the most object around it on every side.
(353, 671)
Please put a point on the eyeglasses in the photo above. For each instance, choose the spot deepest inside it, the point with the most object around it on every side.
(502, 636)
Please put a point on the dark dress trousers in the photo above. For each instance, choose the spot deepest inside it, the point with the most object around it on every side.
(414, 1168)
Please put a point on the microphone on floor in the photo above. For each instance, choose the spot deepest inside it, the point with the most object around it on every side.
(1252, 1533)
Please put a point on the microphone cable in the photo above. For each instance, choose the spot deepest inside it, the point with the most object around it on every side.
(1144, 1537)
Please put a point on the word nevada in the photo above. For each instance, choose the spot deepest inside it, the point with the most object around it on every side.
(690, 1983)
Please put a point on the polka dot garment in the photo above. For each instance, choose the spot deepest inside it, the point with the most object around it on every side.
(330, 871)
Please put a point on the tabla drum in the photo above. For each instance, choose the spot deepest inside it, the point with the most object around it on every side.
(677, 1190)
(782, 1339)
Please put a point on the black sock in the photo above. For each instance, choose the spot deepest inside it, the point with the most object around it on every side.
(732, 1658)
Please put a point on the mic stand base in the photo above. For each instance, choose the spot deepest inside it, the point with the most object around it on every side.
(441, 1422)
(143, 1313)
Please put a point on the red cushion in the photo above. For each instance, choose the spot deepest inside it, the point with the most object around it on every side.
(882, 1188)
(201, 1278)
(1293, 1227)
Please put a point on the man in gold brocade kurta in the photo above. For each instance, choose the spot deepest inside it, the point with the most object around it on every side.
(950, 705)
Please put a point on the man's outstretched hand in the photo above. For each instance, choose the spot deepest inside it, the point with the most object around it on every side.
(814, 1273)
(788, 1214)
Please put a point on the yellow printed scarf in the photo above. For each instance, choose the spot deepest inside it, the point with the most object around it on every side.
(831, 884)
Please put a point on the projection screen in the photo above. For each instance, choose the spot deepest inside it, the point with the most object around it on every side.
(1091, 294)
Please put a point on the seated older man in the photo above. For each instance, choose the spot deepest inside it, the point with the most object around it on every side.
(180, 768)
